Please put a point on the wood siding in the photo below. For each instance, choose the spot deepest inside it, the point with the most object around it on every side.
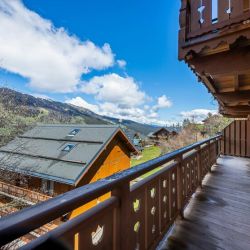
(114, 159)
(236, 139)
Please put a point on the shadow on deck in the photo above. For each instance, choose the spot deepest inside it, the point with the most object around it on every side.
(218, 216)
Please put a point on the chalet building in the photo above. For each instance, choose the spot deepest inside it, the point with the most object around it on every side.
(53, 159)
(161, 134)
(137, 138)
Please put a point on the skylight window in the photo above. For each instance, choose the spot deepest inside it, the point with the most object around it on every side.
(68, 147)
(74, 132)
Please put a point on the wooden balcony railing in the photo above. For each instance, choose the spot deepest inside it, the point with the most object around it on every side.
(26, 194)
(199, 17)
(236, 139)
(135, 217)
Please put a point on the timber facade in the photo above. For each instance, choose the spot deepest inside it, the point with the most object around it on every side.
(215, 45)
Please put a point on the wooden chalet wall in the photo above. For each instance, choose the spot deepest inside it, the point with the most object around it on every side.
(236, 139)
(115, 158)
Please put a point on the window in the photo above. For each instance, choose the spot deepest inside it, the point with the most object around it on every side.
(74, 132)
(48, 187)
(68, 147)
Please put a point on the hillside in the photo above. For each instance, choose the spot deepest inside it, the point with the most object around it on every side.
(32, 110)
(143, 129)
(30, 106)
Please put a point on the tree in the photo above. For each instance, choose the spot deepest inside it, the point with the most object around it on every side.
(214, 124)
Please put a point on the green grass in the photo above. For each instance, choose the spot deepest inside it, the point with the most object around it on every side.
(147, 154)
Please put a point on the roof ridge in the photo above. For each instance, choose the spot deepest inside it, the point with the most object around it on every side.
(55, 139)
(78, 125)
(43, 157)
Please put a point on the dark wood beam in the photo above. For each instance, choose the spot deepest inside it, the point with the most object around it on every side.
(234, 97)
(235, 115)
(209, 83)
(236, 82)
(240, 110)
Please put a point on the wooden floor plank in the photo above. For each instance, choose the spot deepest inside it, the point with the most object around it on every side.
(218, 215)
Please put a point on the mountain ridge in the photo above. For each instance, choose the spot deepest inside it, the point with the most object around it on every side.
(31, 106)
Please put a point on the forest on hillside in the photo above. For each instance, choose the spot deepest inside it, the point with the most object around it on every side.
(193, 132)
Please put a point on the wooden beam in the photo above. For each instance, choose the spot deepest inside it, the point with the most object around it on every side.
(209, 83)
(236, 82)
(240, 109)
(234, 97)
(239, 72)
(234, 115)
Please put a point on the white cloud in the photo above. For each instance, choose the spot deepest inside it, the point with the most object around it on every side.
(133, 113)
(121, 63)
(162, 102)
(49, 57)
(114, 110)
(122, 98)
(116, 89)
(198, 115)
(80, 102)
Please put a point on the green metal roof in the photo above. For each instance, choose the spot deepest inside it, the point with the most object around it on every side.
(39, 152)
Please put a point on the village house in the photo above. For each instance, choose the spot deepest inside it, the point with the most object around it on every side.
(161, 134)
(137, 138)
(54, 159)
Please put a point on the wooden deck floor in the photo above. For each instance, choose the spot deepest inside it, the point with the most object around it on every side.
(218, 216)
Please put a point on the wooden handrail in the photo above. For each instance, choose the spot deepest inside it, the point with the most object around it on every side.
(26, 220)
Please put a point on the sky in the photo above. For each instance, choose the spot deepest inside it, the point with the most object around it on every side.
(116, 58)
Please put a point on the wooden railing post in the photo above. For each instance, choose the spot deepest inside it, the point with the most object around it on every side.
(123, 214)
(209, 156)
(199, 162)
(218, 148)
(180, 187)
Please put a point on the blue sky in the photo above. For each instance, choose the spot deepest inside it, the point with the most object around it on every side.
(115, 57)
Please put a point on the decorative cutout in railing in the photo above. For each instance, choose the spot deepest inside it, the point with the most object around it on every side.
(97, 235)
(201, 9)
(135, 217)
(204, 16)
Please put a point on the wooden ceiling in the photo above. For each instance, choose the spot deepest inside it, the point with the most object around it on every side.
(227, 76)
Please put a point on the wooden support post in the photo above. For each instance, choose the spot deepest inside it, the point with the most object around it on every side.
(123, 214)
(199, 166)
(209, 157)
(180, 187)
(218, 148)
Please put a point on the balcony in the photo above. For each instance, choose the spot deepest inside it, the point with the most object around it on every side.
(217, 216)
(206, 183)
(214, 40)
(26, 195)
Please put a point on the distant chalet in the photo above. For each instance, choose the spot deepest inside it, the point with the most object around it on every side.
(162, 134)
(58, 158)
